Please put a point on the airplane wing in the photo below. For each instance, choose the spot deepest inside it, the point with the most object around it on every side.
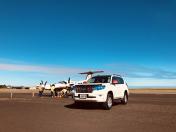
(91, 72)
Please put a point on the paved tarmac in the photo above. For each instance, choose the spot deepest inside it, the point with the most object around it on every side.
(143, 113)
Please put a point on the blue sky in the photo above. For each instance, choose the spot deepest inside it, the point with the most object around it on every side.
(55, 39)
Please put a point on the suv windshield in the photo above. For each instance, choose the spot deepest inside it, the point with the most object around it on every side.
(100, 79)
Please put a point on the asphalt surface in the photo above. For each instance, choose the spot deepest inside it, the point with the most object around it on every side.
(143, 113)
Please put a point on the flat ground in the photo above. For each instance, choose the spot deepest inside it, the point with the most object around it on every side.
(143, 113)
(154, 91)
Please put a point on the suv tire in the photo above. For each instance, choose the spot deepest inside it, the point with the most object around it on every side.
(125, 98)
(109, 101)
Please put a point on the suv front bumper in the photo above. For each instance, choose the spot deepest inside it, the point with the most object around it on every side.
(90, 97)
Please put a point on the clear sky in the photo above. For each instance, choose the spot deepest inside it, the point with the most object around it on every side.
(55, 39)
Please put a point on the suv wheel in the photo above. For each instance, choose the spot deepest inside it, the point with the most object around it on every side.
(125, 98)
(109, 102)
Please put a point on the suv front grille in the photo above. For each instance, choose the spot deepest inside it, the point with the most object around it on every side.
(84, 89)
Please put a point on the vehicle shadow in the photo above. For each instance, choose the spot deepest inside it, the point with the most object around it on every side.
(88, 106)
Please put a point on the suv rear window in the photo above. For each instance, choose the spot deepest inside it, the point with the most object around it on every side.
(100, 79)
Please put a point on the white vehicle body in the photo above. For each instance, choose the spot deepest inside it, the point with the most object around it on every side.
(47, 87)
(97, 92)
(64, 84)
(61, 85)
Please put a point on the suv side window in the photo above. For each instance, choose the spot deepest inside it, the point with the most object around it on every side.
(115, 79)
(118, 79)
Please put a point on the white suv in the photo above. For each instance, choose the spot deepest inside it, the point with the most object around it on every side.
(102, 88)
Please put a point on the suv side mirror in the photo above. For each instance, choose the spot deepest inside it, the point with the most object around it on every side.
(114, 82)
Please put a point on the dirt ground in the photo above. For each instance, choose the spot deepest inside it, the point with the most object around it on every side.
(143, 113)
(154, 90)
